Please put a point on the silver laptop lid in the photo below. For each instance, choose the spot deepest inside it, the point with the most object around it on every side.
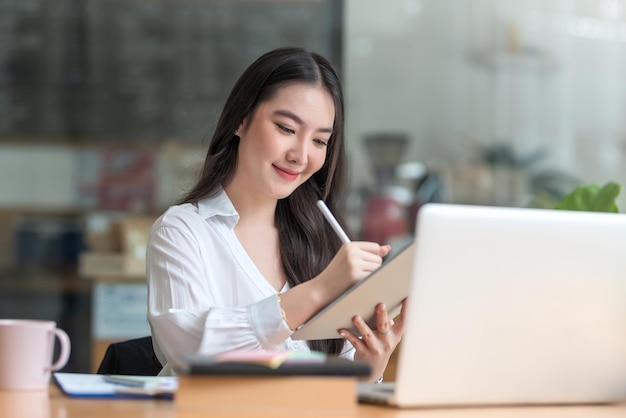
(515, 306)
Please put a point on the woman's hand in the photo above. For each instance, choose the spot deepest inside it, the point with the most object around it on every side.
(376, 346)
(353, 262)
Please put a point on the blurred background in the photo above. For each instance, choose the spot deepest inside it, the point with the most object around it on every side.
(106, 107)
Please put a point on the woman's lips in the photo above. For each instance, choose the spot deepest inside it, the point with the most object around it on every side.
(287, 174)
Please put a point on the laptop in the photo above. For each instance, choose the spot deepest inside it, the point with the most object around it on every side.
(512, 306)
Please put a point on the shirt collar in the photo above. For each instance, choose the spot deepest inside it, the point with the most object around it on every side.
(218, 205)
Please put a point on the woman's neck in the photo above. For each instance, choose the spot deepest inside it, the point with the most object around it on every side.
(251, 207)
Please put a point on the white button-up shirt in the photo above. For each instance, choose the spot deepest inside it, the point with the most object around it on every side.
(205, 295)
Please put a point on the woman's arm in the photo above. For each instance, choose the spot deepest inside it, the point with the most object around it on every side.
(187, 307)
(353, 262)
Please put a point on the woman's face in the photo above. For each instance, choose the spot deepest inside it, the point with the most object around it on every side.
(284, 142)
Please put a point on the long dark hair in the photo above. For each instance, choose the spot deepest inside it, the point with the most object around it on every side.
(307, 243)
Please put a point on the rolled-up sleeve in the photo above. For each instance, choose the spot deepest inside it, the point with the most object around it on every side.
(191, 310)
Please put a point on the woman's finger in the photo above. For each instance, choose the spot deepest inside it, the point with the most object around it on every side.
(383, 323)
(366, 332)
(352, 339)
(399, 324)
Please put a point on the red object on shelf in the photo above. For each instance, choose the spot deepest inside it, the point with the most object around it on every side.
(384, 218)
(124, 179)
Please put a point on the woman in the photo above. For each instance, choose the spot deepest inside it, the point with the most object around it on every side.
(247, 256)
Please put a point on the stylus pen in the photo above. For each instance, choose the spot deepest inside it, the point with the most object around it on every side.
(332, 221)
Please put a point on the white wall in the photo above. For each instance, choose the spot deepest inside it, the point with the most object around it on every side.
(382, 84)
(38, 177)
(536, 74)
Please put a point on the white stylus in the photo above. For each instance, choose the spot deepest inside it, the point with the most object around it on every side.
(332, 221)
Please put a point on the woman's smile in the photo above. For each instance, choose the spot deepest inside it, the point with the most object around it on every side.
(287, 174)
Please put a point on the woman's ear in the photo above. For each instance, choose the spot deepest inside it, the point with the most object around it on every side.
(241, 127)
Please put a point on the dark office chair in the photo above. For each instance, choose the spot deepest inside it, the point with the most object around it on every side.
(132, 357)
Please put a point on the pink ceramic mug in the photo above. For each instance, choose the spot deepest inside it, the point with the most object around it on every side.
(26, 349)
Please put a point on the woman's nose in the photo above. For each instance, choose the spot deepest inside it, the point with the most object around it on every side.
(298, 152)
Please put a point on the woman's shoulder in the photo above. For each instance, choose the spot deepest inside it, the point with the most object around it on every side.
(178, 216)
(191, 215)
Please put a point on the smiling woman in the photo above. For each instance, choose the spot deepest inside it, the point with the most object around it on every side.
(214, 285)
(285, 136)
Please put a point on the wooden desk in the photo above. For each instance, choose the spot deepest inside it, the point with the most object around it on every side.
(54, 404)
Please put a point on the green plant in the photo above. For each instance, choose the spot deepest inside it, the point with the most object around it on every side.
(591, 197)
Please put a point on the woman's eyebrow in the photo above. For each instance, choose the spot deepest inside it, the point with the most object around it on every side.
(298, 120)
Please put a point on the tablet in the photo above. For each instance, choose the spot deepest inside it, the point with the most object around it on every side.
(389, 284)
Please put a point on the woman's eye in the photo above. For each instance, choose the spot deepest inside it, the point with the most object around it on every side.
(321, 142)
(285, 129)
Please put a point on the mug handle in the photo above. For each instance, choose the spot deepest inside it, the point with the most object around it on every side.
(64, 355)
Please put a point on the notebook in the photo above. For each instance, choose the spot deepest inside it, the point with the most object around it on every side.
(511, 306)
(84, 385)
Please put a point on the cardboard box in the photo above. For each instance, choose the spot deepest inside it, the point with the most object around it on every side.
(133, 233)
(111, 265)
